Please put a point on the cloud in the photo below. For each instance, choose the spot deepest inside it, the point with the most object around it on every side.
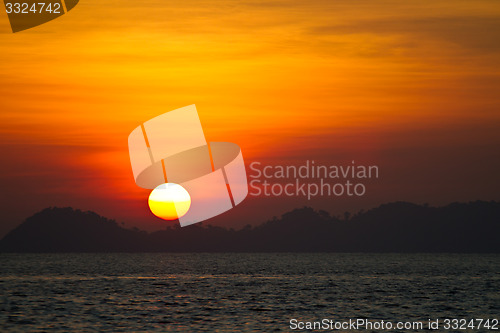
(480, 33)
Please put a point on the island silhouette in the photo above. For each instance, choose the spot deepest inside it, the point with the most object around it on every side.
(472, 227)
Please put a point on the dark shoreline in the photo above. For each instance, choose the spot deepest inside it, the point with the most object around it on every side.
(398, 227)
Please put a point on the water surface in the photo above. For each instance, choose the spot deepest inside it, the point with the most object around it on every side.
(239, 292)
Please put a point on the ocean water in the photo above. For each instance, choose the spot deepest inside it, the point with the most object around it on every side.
(239, 292)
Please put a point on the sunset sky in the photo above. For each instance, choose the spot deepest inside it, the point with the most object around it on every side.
(409, 86)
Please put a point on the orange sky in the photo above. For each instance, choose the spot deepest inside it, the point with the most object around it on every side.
(408, 86)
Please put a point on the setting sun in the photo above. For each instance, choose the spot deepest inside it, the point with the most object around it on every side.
(169, 201)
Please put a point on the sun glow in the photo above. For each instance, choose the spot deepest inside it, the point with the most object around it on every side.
(169, 201)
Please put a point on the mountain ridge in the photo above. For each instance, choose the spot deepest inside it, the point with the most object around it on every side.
(471, 227)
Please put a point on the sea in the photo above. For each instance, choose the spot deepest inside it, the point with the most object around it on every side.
(247, 292)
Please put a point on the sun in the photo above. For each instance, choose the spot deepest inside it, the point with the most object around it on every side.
(169, 201)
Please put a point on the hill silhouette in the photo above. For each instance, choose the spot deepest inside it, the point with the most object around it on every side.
(395, 227)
